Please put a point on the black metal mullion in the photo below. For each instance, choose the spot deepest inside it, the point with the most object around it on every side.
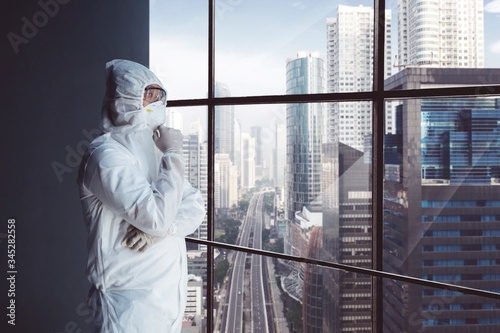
(211, 158)
(355, 269)
(470, 91)
(377, 97)
(378, 163)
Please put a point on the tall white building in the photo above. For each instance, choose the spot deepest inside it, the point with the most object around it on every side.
(175, 119)
(350, 69)
(195, 153)
(441, 33)
(247, 161)
(224, 118)
(237, 148)
(194, 301)
(256, 133)
(226, 182)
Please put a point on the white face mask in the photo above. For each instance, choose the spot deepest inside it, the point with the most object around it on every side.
(156, 114)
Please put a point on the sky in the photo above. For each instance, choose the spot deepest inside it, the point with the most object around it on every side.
(254, 38)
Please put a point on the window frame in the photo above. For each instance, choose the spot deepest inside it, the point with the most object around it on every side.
(378, 96)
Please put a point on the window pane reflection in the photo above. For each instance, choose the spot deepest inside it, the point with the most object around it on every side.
(441, 208)
(413, 308)
(254, 39)
(281, 172)
(253, 291)
(444, 35)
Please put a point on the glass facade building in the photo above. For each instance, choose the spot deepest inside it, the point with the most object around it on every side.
(304, 75)
(394, 243)
(312, 299)
(460, 141)
(347, 240)
(441, 216)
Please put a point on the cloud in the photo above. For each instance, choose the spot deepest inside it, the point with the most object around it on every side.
(257, 73)
(181, 64)
(495, 47)
(493, 7)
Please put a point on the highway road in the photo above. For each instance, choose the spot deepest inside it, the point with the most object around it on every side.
(250, 236)
(258, 309)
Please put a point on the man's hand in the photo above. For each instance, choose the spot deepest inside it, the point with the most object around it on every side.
(138, 240)
(168, 140)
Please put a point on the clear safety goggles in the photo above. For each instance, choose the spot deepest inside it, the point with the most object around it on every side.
(153, 94)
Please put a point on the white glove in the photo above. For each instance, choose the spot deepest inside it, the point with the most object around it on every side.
(168, 140)
(138, 240)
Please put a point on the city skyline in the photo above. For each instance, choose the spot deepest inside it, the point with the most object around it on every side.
(245, 57)
(441, 216)
(327, 185)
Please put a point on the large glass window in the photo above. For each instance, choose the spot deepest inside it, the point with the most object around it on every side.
(349, 156)
(255, 39)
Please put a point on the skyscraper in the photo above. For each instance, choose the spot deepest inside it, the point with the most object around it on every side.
(226, 182)
(350, 69)
(247, 161)
(441, 33)
(175, 119)
(347, 221)
(442, 207)
(280, 155)
(195, 152)
(304, 75)
(224, 118)
(312, 299)
(256, 133)
(237, 148)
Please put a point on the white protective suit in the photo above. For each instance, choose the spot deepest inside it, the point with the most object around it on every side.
(125, 180)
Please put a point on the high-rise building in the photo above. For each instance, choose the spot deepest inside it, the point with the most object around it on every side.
(280, 155)
(347, 221)
(224, 118)
(256, 133)
(226, 182)
(247, 161)
(304, 75)
(442, 207)
(197, 264)
(312, 299)
(175, 119)
(194, 301)
(195, 153)
(237, 148)
(350, 69)
(441, 33)
(296, 243)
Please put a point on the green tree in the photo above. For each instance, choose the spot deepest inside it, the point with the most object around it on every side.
(279, 246)
(265, 238)
(269, 202)
(231, 228)
(293, 314)
(221, 271)
(243, 205)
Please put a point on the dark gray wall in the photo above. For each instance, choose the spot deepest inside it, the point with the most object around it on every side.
(51, 92)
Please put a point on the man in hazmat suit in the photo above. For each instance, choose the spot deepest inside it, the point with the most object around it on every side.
(137, 208)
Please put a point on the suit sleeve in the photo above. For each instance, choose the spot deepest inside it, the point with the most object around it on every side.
(190, 213)
(112, 176)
